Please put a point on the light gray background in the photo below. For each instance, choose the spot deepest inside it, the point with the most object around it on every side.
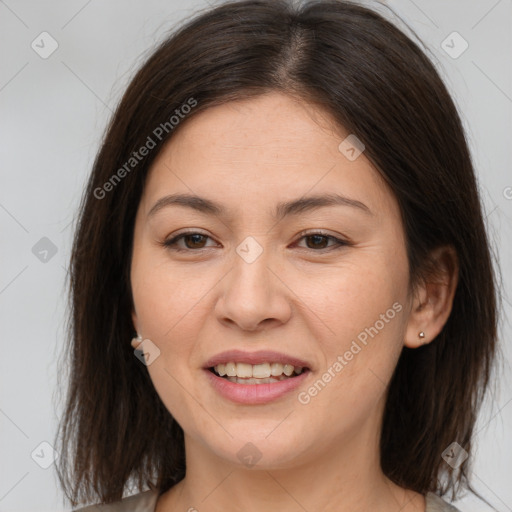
(53, 112)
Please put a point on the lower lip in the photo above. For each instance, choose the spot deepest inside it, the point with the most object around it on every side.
(254, 393)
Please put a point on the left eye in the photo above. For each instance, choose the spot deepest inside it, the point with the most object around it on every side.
(192, 240)
(320, 241)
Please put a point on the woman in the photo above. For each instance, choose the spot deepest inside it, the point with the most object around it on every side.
(284, 211)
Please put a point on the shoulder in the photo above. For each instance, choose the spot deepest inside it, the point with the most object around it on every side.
(146, 502)
(141, 502)
(437, 504)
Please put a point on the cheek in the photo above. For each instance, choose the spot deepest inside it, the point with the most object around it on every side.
(167, 301)
(354, 295)
(165, 296)
(359, 361)
(362, 306)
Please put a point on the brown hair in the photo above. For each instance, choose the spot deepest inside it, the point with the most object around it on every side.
(379, 85)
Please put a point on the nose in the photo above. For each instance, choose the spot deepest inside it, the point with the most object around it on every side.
(253, 296)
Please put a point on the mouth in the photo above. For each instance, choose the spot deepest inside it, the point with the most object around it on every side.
(253, 378)
(263, 373)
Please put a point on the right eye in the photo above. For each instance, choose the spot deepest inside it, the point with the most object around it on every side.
(192, 240)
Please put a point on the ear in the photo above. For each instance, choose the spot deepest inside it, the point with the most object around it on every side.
(135, 342)
(433, 298)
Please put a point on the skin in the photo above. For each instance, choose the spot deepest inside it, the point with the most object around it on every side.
(295, 298)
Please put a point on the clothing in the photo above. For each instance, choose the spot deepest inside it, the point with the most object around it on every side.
(141, 502)
(146, 502)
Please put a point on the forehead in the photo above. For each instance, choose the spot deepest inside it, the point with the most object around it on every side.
(264, 149)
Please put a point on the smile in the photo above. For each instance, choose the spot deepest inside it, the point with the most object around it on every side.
(264, 373)
(254, 390)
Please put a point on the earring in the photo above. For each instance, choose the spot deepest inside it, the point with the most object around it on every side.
(136, 341)
(421, 335)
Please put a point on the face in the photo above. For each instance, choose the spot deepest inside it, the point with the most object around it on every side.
(320, 283)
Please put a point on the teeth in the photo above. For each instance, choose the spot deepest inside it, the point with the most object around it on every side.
(231, 369)
(276, 369)
(262, 372)
(238, 380)
(243, 370)
(288, 369)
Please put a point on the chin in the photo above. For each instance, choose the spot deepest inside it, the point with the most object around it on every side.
(254, 450)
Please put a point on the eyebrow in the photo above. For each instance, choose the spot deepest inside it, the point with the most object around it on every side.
(283, 209)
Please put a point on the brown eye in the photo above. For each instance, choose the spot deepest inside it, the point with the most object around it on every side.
(187, 241)
(195, 241)
(321, 242)
(317, 241)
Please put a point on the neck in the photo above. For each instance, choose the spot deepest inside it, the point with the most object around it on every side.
(348, 479)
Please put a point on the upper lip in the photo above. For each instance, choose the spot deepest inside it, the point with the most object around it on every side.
(261, 356)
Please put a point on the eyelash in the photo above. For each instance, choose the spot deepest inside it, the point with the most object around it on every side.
(171, 243)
